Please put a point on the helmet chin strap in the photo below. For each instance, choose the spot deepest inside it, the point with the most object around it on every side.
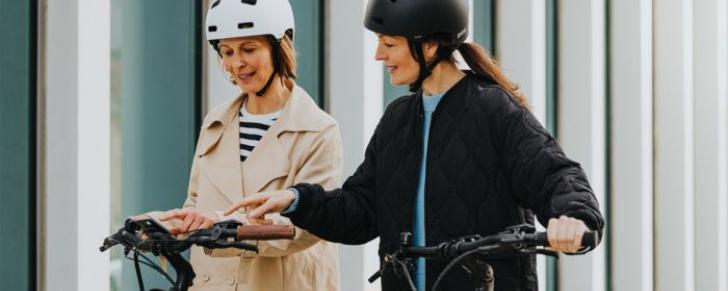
(425, 68)
(276, 65)
(267, 85)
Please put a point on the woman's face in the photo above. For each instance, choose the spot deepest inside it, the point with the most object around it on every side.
(394, 52)
(249, 61)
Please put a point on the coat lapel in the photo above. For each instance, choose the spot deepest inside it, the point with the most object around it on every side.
(267, 162)
(219, 152)
(270, 159)
(219, 149)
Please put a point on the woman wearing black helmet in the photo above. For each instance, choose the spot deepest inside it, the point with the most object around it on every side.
(462, 155)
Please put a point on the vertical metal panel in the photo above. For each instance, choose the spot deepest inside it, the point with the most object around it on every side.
(582, 128)
(711, 188)
(632, 154)
(521, 41)
(520, 47)
(77, 148)
(354, 97)
(674, 183)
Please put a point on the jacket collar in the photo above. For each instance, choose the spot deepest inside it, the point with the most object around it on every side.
(452, 102)
(219, 147)
(294, 117)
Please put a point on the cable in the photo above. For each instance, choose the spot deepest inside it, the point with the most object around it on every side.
(149, 263)
(406, 274)
(453, 263)
(138, 272)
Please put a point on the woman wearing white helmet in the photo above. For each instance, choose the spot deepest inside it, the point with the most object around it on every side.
(272, 136)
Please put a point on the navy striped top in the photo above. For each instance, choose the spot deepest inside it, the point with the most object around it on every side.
(252, 129)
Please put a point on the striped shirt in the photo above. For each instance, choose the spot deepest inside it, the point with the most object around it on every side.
(252, 129)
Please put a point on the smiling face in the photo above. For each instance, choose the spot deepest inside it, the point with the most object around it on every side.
(249, 61)
(395, 53)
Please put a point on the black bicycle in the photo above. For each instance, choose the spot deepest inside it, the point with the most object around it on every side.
(470, 254)
(141, 234)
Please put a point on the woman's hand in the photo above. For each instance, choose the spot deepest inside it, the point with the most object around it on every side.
(263, 203)
(192, 219)
(565, 233)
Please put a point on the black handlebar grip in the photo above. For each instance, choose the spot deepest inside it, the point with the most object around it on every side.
(266, 232)
(590, 239)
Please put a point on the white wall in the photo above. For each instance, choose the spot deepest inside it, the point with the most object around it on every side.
(77, 144)
(355, 96)
(631, 141)
(711, 188)
(582, 123)
(674, 174)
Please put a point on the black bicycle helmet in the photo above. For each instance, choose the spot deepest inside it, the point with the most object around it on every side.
(419, 21)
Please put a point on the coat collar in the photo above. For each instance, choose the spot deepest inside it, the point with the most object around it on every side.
(218, 151)
(293, 117)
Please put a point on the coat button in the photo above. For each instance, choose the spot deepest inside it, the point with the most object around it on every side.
(205, 277)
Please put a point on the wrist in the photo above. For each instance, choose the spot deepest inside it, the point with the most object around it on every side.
(293, 198)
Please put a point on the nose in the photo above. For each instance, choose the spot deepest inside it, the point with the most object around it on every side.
(380, 55)
(238, 61)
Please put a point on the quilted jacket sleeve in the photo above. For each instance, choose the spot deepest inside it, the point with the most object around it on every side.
(346, 215)
(542, 177)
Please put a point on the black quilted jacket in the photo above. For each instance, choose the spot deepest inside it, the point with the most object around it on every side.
(490, 165)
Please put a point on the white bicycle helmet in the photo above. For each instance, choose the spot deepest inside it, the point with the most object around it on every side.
(243, 18)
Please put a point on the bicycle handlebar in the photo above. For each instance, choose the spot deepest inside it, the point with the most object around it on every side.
(142, 234)
(265, 232)
(515, 240)
(589, 241)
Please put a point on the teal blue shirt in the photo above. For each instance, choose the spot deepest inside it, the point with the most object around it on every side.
(429, 103)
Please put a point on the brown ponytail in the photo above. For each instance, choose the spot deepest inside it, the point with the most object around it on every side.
(485, 66)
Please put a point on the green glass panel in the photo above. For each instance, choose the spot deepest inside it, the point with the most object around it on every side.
(309, 46)
(483, 24)
(17, 114)
(156, 71)
(552, 270)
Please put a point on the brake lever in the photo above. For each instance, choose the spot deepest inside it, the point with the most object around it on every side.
(544, 252)
(224, 244)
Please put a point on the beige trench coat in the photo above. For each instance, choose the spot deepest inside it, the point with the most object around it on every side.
(304, 145)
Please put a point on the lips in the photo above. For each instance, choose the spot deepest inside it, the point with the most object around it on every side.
(245, 76)
(391, 69)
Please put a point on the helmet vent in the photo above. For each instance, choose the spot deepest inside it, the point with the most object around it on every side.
(245, 25)
(215, 4)
(251, 2)
(212, 28)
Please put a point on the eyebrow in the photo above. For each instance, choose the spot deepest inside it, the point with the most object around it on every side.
(241, 44)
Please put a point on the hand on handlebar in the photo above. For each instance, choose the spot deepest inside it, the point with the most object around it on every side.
(565, 234)
(192, 219)
(260, 204)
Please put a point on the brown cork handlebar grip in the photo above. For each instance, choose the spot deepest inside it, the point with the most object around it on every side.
(265, 232)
